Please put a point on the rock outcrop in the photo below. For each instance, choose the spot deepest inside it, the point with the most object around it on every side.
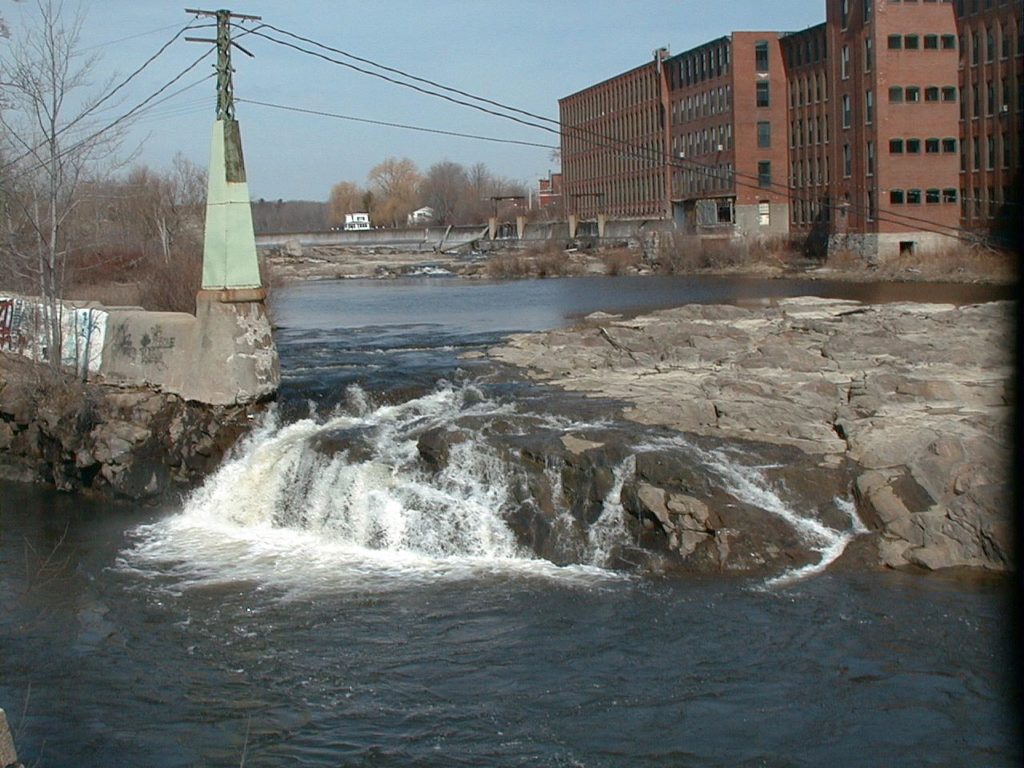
(916, 397)
(129, 442)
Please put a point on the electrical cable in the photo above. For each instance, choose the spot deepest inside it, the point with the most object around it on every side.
(386, 124)
(880, 214)
(106, 97)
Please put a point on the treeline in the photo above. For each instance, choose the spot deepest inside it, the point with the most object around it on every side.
(457, 194)
(134, 238)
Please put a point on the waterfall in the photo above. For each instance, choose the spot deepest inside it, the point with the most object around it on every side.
(286, 510)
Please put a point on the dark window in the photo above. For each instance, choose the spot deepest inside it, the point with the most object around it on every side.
(896, 196)
(764, 173)
(913, 93)
(895, 146)
(911, 42)
(847, 161)
(763, 95)
(913, 146)
(932, 196)
(931, 93)
(948, 93)
(948, 42)
(914, 196)
(764, 134)
(844, 13)
(931, 42)
(949, 145)
(895, 42)
(931, 146)
(949, 195)
(761, 56)
(896, 94)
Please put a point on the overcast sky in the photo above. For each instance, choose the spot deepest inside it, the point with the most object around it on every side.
(524, 53)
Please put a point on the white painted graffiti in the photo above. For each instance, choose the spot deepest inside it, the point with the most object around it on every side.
(23, 323)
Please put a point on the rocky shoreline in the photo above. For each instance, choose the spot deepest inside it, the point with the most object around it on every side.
(913, 400)
(129, 442)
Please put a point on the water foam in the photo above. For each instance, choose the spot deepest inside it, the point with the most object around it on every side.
(750, 484)
(363, 514)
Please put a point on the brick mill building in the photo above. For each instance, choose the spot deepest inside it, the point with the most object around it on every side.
(891, 127)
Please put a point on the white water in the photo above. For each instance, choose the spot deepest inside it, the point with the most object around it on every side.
(282, 513)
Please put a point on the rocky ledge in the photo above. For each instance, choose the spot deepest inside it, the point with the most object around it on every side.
(915, 398)
(128, 442)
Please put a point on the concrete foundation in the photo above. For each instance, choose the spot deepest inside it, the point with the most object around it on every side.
(880, 248)
(222, 355)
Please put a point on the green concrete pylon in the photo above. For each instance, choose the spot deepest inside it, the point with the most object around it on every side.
(229, 247)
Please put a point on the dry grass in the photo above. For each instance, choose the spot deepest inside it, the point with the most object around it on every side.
(621, 261)
(956, 263)
(546, 260)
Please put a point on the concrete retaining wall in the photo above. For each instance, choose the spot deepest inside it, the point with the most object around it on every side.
(223, 355)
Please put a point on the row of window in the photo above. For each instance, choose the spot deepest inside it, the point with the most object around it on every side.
(696, 67)
(601, 100)
(805, 90)
(1004, 45)
(917, 196)
(913, 146)
(914, 42)
(714, 139)
(814, 130)
(963, 8)
(997, 98)
(910, 94)
(710, 102)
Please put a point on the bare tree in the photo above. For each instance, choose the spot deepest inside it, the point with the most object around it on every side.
(444, 189)
(395, 183)
(52, 141)
(346, 197)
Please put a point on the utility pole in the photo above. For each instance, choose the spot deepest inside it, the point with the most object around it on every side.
(223, 41)
(230, 265)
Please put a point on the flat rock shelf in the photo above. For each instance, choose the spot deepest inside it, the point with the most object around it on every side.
(917, 398)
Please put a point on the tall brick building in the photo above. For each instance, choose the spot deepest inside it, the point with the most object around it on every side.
(890, 127)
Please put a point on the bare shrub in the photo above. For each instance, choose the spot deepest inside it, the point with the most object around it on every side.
(507, 266)
(955, 262)
(620, 261)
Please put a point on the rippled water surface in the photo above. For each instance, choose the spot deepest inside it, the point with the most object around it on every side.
(322, 601)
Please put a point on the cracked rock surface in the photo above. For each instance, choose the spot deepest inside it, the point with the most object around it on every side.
(918, 396)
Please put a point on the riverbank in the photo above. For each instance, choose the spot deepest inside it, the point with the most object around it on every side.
(131, 442)
(296, 264)
(916, 398)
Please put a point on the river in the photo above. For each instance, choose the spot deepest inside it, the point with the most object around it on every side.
(347, 609)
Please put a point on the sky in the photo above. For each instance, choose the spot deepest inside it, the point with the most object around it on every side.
(522, 53)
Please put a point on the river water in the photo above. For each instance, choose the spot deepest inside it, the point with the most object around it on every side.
(308, 607)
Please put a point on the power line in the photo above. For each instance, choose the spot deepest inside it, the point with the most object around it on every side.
(404, 126)
(113, 124)
(105, 98)
(394, 81)
(626, 148)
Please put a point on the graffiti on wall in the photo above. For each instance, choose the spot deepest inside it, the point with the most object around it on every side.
(12, 313)
(150, 348)
(22, 330)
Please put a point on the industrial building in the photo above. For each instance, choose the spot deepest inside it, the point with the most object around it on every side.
(891, 127)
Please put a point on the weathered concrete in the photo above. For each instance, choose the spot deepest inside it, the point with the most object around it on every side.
(222, 355)
(919, 396)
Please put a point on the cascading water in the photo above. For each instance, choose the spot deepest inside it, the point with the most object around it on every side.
(345, 502)
(750, 485)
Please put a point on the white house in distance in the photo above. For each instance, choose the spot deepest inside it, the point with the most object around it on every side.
(357, 221)
(424, 215)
